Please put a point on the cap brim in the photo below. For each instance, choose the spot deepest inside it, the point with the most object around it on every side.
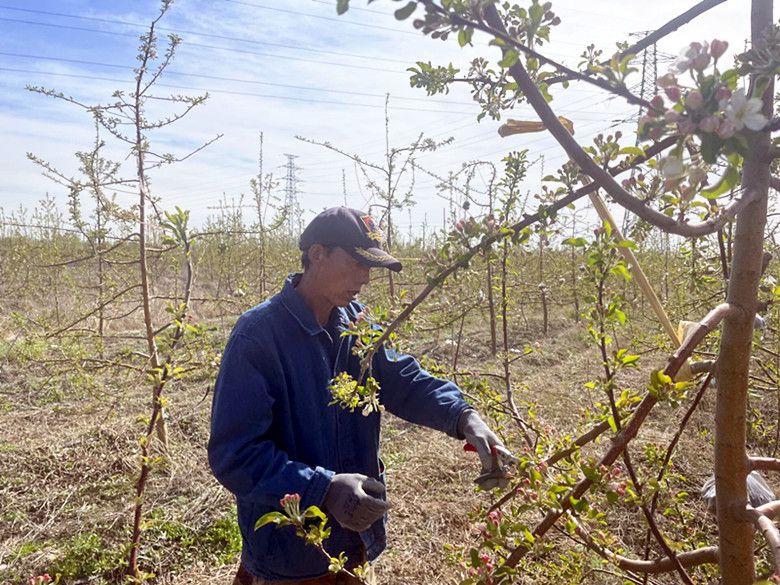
(375, 257)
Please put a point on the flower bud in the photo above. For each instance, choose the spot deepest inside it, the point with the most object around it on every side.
(656, 106)
(717, 48)
(727, 129)
(672, 116)
(722, 94)
(700, 61)
(667, 80)
(694, 99)
(673, 93)
(709, 124)
(686, 126)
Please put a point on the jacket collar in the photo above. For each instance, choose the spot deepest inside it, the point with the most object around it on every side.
(301, 312)
(297, 307)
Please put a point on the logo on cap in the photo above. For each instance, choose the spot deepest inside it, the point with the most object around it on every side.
(373, 233)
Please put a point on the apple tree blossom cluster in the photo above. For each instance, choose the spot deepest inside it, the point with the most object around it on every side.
(708, 106)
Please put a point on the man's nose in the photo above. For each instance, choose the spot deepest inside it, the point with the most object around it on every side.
(364, 275)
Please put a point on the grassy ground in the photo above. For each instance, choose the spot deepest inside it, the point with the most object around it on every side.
(69, 464)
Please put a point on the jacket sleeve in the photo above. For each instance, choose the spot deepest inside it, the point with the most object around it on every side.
(410, 392)
(242, 453)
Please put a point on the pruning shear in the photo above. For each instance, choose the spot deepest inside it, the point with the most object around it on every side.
(497, 475)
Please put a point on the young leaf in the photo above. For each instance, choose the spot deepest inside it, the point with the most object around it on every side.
(406, 11)
(510, 58)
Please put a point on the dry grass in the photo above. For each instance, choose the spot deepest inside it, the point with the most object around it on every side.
(69, 467)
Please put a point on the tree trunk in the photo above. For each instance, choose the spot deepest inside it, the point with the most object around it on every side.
(731, 463)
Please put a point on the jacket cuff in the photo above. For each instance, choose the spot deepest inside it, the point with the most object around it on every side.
(318, 486)
(454, 430)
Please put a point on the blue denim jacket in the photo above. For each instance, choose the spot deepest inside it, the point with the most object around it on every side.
(273, 433)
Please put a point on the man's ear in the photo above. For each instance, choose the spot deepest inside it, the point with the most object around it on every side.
(317, 253)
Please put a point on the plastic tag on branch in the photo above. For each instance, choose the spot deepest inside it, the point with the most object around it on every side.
(525, 126)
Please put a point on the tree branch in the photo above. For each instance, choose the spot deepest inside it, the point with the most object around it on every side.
(658, 33)
(768, 529)
(707, 555)
(500, 33)
(763, 464)
(599, 175)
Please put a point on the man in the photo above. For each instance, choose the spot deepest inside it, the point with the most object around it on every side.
(273, 431)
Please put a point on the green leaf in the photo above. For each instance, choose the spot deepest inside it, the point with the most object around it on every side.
(621, 270)
(710, 147)
(406, 11)
(342, 6)
(464, 36)
(612, 424)
(582, 242)
(272, 518)
(727, 182)
(632, 150)
(314, 512)
(510, 58)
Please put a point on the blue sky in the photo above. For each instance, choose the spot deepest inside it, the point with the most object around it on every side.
(287, 68)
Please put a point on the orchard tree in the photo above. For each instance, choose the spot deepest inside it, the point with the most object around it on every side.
(705, 163)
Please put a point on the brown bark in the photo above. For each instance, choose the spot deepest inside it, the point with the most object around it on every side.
(731, 460)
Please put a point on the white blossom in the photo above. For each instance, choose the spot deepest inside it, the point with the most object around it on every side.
(745, 112)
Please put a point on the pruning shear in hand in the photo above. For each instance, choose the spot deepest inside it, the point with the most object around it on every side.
(497, 476)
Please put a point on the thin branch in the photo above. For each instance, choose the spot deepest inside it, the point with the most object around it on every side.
(500, 33)
(353, 157)
(551, 460)
(92, 312)
(702, 556)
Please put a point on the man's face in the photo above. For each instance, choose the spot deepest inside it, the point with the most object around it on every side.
(339, 276)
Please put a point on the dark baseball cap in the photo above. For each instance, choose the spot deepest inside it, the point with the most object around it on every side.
(352, 230)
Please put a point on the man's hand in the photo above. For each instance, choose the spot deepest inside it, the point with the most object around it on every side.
(354, 500)
(485, 441)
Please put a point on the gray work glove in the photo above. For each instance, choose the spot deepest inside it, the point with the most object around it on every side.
(355, 500)
(488, 447)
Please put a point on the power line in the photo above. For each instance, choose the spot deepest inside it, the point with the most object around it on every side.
(232, 79)
(193, 32)
(328, 18)
(241, 93)
(204, 46)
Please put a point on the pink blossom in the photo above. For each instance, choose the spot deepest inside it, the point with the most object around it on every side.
(495, 517)
(694, 99)
(709, 124)
(656, 133)
(484, 557)
(727, 129)
(700, 62)
(290, 499)
(717, 48)
(673, 93)
(672, 116)
(686, 126)
(690, 57)
(722, 94)
(667, 80)
(656, 106)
